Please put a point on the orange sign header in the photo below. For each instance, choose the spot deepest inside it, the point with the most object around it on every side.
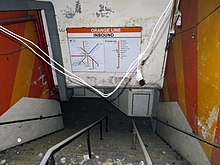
(104, 30)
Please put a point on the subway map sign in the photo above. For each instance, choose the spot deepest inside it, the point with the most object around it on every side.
(103, 49)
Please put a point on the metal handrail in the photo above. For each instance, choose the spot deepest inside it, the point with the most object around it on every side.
(48, 157)
(146, 155)
(31, 119)
(189, 134)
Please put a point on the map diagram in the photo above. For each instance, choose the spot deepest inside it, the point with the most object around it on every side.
(120, 53)
(103, 52)
(86, 55)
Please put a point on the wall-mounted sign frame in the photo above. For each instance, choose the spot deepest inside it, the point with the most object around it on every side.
(108, 49)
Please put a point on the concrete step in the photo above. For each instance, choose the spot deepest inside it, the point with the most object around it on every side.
(114, 149)
(159, 151)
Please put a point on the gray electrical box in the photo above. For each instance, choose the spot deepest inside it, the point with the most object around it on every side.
(140, 104)
(135, 102)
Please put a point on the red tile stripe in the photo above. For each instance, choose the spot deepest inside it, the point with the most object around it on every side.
(171, 76)
(8, 67)
(189, 51)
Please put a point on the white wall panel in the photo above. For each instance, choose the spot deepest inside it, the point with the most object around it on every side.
(112, 13)
(28, 108)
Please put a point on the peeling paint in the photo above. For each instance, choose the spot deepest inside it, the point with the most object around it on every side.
(61, 30)
(45, 91)
(113, 80)
(92, 79)
(206, 126)
(42, 80)
(68, 12)
(78, 7)
(104, 11)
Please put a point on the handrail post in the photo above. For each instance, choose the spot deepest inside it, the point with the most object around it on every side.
(88, 144)
(106, 124)
(134, 139)
(101, 138)
(154, 125)
(51, 161)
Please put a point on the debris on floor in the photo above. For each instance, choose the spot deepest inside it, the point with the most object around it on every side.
(63, 160)
(3, 161)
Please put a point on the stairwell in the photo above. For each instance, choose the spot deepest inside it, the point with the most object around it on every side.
(115, 148)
